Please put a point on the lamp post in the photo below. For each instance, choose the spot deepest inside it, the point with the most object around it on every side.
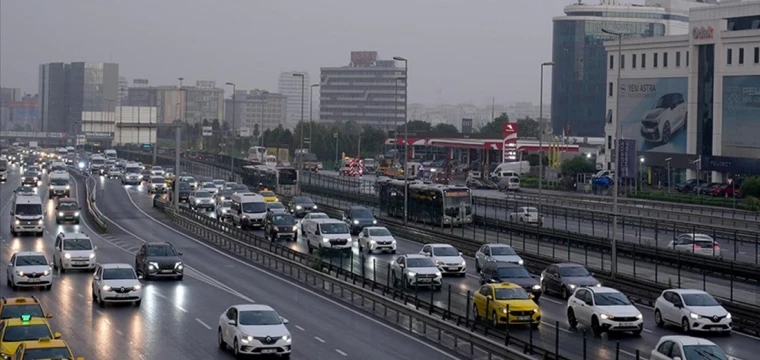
(641, 172)
(232, 137)
(261, 128)
(311, 108)
(669, 180)
(300, 158)
(616, 140)
(541, 136)
(406, 136)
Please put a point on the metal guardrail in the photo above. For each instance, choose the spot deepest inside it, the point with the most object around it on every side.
(92, 208)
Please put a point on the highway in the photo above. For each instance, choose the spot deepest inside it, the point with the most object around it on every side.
(178, 320)
(553, 309)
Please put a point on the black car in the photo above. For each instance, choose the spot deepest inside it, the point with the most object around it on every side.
(155, 260)
(240, 188)
(276, 206)
(184, 191)
(564, 278)
(301, 205)
(145, 175)
(358, 217)
(67, 210)
(498, 272)
(29, 179)
(280, 226)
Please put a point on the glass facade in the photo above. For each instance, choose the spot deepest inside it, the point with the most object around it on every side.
(705, 95)
(579, 74)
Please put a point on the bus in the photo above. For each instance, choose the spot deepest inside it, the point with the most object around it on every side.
(283, 180)
(257, 154)
(445, 205)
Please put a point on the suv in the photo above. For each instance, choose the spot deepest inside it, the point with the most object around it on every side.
(358, 217)
(159, 260)
(280, 225)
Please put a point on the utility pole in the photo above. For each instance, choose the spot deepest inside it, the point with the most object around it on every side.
(406, 136)
(300, 158)
(231, 147)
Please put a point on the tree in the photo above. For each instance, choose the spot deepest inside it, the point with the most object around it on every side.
(495, 126)
(527, 128)
(444, 129)
(750, 187)
(572, 167)
(415, 125)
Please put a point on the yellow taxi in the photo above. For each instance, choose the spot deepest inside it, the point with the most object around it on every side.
(268, 195)
(43, 349)
(24, 328)
(12, 308)
(169, 177)
(504, 302)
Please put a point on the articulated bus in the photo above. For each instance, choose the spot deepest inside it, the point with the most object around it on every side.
(257, 154)
(283, 180)
(445, 205)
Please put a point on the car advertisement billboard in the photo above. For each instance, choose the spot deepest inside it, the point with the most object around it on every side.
(741, 116)
(653, 112)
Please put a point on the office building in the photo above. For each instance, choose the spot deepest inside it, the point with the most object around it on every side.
(290, 87)
(578, 76)
(366, 91)
(255, 110)
(17, 112)
(689, 103)
(8, 95)
(192, 104)
(123, 89)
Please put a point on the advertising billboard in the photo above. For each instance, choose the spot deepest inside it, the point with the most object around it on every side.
(741, 116)
(653, 112)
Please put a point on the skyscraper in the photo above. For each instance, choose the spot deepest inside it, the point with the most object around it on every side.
(290, 86)
(123, 90)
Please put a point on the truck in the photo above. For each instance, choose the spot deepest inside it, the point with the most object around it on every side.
(310, 161)
(33, 146)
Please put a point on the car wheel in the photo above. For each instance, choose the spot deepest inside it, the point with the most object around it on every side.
(665, 133)
(220, 339)
(658, 318)
(236, 348)
(685, 327)
(494, 319)
(475, 313)
(571, 320)
(595, 327)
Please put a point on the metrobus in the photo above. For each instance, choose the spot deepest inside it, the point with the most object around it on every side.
(283, 180)
(445, 205)
(257, 154)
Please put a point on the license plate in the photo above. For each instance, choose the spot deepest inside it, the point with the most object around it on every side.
(268, 351)
(80, 262)
(627, 325)
(34, 280)
(121, 295)
(167, 271)
(451, 269)
(423, 280)
(523, 318)
(715, 329)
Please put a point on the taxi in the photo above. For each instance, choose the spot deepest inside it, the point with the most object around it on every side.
(44, 348)
(505, 303)
(268, 195)
(24, 328)
(12, 308)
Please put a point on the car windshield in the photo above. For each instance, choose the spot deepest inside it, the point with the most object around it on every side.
(157, 168)
(336, 228)
(699, 300)
(59, 181)
(158, 180)
(445, 251)
(304, 201)
(703, 352)
(239, 188)
(30, 173)
(188, 179)
(610, 299)
(531, 210)
(284, 219)
(161, 251)
(119, 274)
(267, 194)
(184, 186)
(259, 317)
(513, 272)
(502, 250)
(254, 207)
(573, 271)
(218, 182)
(209, 186)
(47, 353)
(202, 194)
(361, 214)
(34, 168)
(132, 170)
(379, 232)
(98, 161)
(419, 262)
(28, 209)
(511, 294)
(31, 260)
(15, 311)
(77, 244)
(68, 206)
(275, 205)
(226, 203)
(26, 333)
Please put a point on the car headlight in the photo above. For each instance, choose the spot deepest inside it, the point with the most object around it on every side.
(314, 207)
(520, 262)
(694, 316)
(286, 338)
(372, 241)
(20, 273)
(35, 178)
(67, 256)
(60, 213)
(536, 287)
(728, 316)
(107, 287)
(295, 228)
(68, 187)
(298, 207)
(572, 286)
(325, 239)
(604, 316)
(504, 310)
(136, 287)
(18, 222)
(599, 285)
(639, 316)
(46, 273)
(411, 274)
(92, 255)
(438, 274)
(463, 263)
(374, 222)
(356, 222)
(152, 266)
(76, 213)
(179, 265)
(39, 222)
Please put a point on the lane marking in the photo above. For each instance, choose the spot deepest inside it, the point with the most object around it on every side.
(81, 296)
(340, 352)
(649, 331)
(101, 313)
(554, 327)
(300, 328)
(632, 354)
(320, 340)
(203, 323)
(119, 332)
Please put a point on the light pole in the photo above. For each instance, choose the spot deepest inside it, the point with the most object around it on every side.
(615, 158)
(541, 136)
(311, 108)
(406, 135)
(668, 161)
(232, 135)
(335, 137)
(261, 128)
(300, 158)
(641, 172)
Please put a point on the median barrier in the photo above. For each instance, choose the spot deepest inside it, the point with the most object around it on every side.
(90, 202)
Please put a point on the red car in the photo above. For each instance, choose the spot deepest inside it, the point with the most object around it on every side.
(726, 190)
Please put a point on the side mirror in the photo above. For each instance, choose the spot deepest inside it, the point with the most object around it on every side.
(460, 253)
(95, 248)
(231, 322)
(493, 281)
(97, 277)
(139, 277)
(284, 320)
(57, 335)
(489, 297)
(401, 265)
(49, 315)
(678, 305)
(532, 297)
(10, 265)
(423, 253)
(179, 253)
(50, 264)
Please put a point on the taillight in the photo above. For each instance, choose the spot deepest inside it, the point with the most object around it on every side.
(716, 246)
(697, 246)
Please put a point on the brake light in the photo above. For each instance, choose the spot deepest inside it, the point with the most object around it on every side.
(697, 246)
(716, 246)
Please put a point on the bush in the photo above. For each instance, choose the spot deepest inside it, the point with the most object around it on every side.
(750, 203)
(750, 187)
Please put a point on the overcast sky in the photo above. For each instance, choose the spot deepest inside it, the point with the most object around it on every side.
(459, 51)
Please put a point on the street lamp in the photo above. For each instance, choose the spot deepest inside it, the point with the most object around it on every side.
(406, 135)
(640, 173)
(300, 158)
(261, 128)
(668, 161)
(311, 108)
(541, 135)
(232, 130)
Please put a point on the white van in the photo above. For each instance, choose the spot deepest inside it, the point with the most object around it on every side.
(97, 164)
(328, 234)
(26, 215)
(110, 154)
(59, 184)
(248, 210)
(519, 167)
(511, 183)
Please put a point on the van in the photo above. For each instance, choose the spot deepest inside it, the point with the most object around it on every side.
(26, 215)
(511, 183)
(97, 164)
(328, 234)
(110, 154)
(59, 184)
(248, 210)
(57, 166)
(519, 167)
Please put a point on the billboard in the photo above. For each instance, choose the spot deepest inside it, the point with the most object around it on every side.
(627, 159)
(653, 112)
(741, 116)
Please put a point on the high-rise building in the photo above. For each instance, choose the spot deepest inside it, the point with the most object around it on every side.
(580, 59)
(290, 86)
(192, 104)
(255, 109)
(68, 89)
(8, 95)
(367, 91)
(123, 89)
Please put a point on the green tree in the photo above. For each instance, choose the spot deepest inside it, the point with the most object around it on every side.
(577, 165)
(495, 126)
(527, 128)
(445, 129)
(750, 187)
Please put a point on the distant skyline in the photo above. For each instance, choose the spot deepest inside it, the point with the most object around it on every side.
(458, 51)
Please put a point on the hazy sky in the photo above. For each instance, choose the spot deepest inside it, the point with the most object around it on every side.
(459, 51)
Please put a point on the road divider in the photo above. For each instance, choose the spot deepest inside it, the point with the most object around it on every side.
(90, 202)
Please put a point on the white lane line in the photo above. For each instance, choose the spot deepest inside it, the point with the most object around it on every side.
(81, 296)
(632, 354)
(544, 298)
(320, 340)
(203, 323)
(340, 352)
(161, 296)
(119, 332)
(552, 326)
(181, 308)
(300, 328)
(649, 331)
(100, 312)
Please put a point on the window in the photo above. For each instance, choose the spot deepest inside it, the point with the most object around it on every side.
(622, 61)
(757, 55)
(655, 58)
(633, 61)
(665, 59)
(612, 62)
(609, 142)
(610, 90)
(729, 56)
(741, 56)
(687, 57)
(678, 59)
(643, 61)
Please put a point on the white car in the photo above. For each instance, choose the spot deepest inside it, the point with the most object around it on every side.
(190, 180)
(29, 269)
(116, 283)
(699, 244)
(157, 171)
(219, 183)
(377, 238)
(448, 259)
(200, 199)
(130, 178)
(223, 210)
(526, 215)
(74, 251)
(687, 348)
(667, 116)
(309, 218)
(603, 309)
(496, 252)
(157, 184)
(210, 187)
(692, 310)
(416, 270)
(115, 172)
(254, 329)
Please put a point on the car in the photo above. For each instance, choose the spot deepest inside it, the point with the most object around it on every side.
(526, 215)
(23, 190)
(667, 116)
(505, 303)
(189, 180)
(358, 217)
(219, 183)
(222, 195)
(184, 191)
(691, 310)
(603, 309)
(157, 171)
(311, 217)
(145, 175)
(201, 199)
(30, 178)
(503, 272)
(687, 186)
(413, 270)
(229, 185)
(377, 238)
(116, 283)
(131, 175)
(157, 260)
(14, 307)
(276, 206)
(222, 210)
(327, 235)
(301, 205)
(74, 251)
(29, 269)
(157, 184)
(448, 259)
(254, 329)
(209, 187)
(496, 252)
(36, 170)
(269, 196)
(695, 243)
(14, 331)
(280, 225)
(67, 209)
(687, 348)
(240, 189)
(565, 278)
(115, 172)
(44, 349)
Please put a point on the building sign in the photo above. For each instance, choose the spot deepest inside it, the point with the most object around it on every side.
(728, 164)
(627, 159)
(33, 134)
(466, 126)
(509, 148)
(97, 134)
(741, 123)
(207, 130)
(363, 57)
(702, 32)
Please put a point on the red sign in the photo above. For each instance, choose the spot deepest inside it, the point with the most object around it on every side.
(702, 32)
(508, 129)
